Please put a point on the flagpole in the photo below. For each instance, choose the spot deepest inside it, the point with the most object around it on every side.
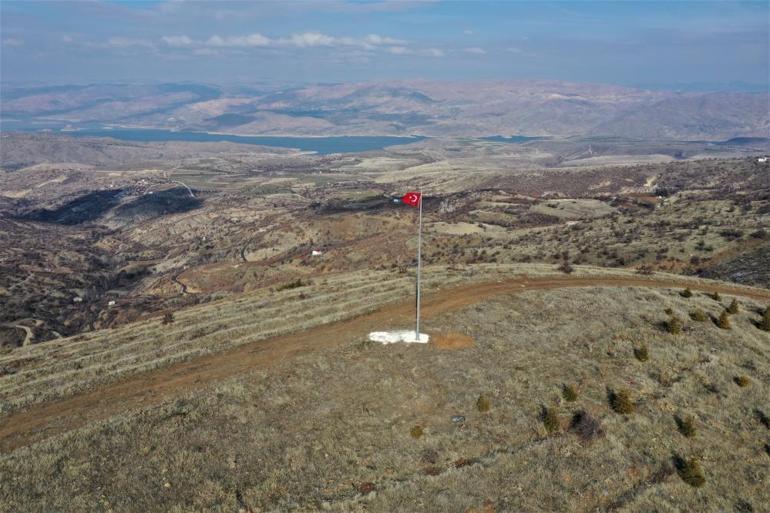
(419, 268)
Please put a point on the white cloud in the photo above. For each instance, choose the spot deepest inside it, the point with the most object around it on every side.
(10, 41)
(475, 50)
(299, 40)
(399, 50)
(66, 39)
(177, 41)
(431, 52)
(312, 39)
(126, 42)
(468, 32)
(255, 39)
(513, 49)
(377, 40)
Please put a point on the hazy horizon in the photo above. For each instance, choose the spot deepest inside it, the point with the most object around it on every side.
(654, 45)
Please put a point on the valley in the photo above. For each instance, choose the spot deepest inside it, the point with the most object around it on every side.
(177, 317)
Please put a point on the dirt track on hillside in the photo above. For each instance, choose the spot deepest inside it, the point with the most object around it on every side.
(44, 420)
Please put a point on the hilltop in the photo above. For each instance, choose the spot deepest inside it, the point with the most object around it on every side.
(322, 419)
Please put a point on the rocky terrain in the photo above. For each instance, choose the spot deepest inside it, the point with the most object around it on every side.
(121, 231)
(183, 326)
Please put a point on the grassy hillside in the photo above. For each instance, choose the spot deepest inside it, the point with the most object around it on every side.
(353, 426)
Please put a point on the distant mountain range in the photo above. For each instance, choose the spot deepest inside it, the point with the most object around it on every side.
(458, 109)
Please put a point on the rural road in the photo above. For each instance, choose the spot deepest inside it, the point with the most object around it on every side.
(43, 420)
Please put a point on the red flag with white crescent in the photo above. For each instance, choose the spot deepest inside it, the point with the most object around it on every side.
(412, 198)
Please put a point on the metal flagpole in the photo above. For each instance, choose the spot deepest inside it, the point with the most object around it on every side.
(419, 268)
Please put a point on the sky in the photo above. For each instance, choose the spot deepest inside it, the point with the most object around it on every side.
(672, 44)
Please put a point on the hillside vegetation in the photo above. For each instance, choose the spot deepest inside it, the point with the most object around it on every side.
(582, 394)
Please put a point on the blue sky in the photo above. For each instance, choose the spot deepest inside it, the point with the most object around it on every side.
(665, 44)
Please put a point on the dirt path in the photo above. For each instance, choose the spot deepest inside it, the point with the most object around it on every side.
(43, 420)
(182, 286)
(29, 336)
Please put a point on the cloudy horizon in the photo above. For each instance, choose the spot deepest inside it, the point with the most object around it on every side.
(644, 44)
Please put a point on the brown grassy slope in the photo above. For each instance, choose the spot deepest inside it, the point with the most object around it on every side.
(104, 358)
(312, 432)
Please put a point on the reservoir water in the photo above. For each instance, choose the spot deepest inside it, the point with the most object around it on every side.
(322, 145)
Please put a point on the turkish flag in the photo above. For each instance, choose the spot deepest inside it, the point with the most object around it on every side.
(412, 198)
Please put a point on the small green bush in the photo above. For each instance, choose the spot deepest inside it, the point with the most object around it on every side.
(483, 404)
(733, 308)
(550, 420)
(642, 353)
(416, 432)
(742, 381)
(674, 325)
(690, 471)
(570, 393)
(724, 321)
(686, 292)
(715, 296)
(686, 425)
(699, 316)
(621, 402)
(669, 311)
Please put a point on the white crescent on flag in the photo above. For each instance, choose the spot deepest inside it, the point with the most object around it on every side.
(411, 198)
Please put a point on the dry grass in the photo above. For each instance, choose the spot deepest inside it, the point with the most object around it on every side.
(65, 366)
(328, 429)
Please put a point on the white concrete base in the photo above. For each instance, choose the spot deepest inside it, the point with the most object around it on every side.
(392, 337)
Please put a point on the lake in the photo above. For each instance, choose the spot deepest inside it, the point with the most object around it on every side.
(321, 145)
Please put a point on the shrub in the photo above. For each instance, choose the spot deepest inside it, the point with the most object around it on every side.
(690, 471)
(168, 318)
(550, 420)
(416, 432)
(674, 325)
(464, 462)
(291, 285)
(699, 316)
(742, 381)
(762, 418)
(586, 426)
(685, 425)
(566, 267)
(715, 296)
(724, 321)
(645, 269)
(686, 292)
(642, 353)
(621, 402)
(569, 392)
(733, 308)
(483, 404)
(366, 488)
(429, 456)
(764, 324)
